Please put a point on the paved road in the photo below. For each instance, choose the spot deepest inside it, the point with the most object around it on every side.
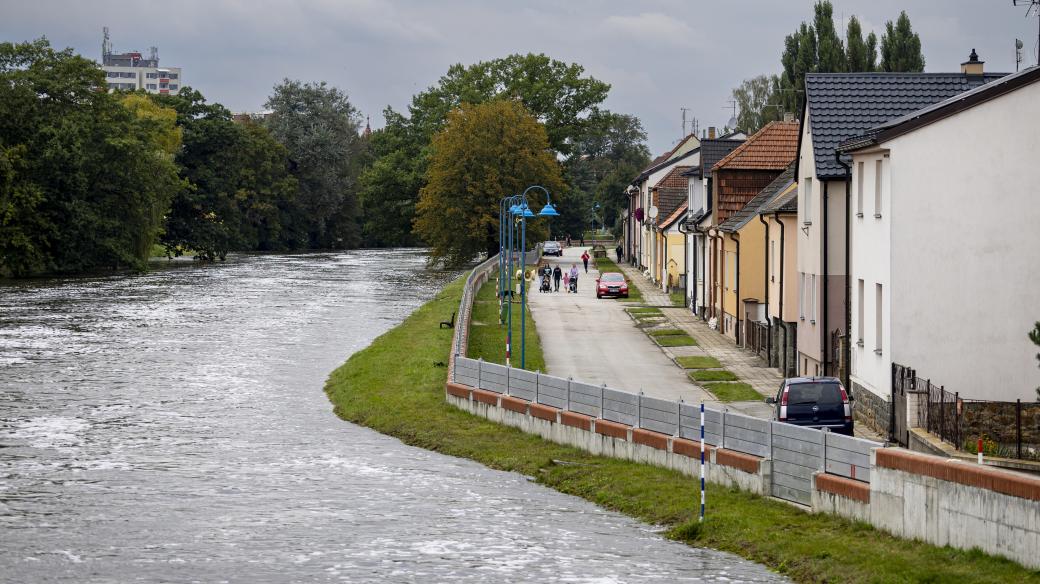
(595, 341)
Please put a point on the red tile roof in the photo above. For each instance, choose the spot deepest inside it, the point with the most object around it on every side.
(771, 148)
(674, 179)
(679, 212)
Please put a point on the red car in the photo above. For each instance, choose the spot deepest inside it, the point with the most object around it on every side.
(611, 284)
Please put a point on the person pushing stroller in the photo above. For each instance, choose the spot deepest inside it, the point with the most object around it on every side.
(557, 274)
(546, 273)
(574, 278)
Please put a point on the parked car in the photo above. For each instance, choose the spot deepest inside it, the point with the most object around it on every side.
(611, 284)
(816, 402)
(552, 248)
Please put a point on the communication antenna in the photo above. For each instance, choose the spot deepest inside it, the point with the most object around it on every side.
(106, 44)
(1032, 9)
(683, 110)
(1018, 53)
(732, 123)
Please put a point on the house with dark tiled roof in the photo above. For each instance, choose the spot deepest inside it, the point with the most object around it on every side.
(668, 195)
(780, 215)
(698, 220)
(737, 179)
(935, 285)
(640, 233)
(839, 106)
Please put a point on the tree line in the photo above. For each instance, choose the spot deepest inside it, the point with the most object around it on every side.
(817, 47)
(91, 179)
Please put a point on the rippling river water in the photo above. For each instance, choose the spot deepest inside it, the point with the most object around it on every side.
(172, 427)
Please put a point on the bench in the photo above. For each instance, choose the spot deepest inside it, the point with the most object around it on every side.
(446, 324)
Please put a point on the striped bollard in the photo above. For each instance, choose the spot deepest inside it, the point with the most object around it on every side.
(702, 463)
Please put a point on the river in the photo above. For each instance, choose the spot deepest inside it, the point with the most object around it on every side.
(171, 426)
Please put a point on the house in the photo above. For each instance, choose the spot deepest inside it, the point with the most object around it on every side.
(839, 106)
(640, 237)
(936, 286)
(748, 230)
(736, 180)
(780, 214)
(670, 193)
(697, 222)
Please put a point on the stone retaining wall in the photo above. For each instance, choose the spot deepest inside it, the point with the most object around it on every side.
(871, 409)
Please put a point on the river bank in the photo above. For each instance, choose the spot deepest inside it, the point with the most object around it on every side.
(396, 386)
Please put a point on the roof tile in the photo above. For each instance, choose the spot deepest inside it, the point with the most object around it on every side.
(772, 148)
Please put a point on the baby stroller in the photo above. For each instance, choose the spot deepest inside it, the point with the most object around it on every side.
(574, 284)
(546, 284)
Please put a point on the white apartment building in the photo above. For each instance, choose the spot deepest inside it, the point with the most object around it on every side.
(132, 71)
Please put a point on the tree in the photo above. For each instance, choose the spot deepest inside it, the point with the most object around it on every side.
(85, 176)
(484, 152)
(757, 102)
(901, 47)
(319, 127)
(830, 51)
(861, 55)
(558, 94)
(607, 154)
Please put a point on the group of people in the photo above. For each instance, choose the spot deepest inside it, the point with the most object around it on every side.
(551, 276)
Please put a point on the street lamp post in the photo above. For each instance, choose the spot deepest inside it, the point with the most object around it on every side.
(518, 211)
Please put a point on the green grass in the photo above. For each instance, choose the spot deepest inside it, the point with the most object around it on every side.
(730, 392)
(698, 362)
(678, 298)
(643, 310)
(712, 375)
(396, 386)
(682, 340)
(666, 332)
(487, 340)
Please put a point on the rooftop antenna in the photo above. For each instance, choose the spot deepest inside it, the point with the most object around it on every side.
(106, 44)
(732, 123)
(1018, 53)
(693, 123)
(154, 54)
(1032, 9)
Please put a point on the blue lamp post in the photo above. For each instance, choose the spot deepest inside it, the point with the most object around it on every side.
(513, 214)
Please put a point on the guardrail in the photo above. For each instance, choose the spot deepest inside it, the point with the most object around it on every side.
(797, 453)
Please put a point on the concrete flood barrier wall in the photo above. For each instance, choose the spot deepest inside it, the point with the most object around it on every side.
(938, 500)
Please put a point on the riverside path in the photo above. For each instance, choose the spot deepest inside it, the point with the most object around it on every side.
(594, 341)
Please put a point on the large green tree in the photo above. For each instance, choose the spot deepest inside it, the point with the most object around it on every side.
(901, 47)
(817, 48)
(240, 195)
(483, 153)
(319, 127)
(560, 96)
(86, 176)
(757, 102)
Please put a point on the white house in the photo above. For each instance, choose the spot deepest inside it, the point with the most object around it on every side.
(946, 243)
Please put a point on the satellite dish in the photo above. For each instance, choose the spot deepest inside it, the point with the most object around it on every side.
(624, 213)
(652, 212)
(1018, 44)
(732, 124)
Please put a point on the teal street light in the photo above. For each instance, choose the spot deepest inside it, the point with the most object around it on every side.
(516, 210)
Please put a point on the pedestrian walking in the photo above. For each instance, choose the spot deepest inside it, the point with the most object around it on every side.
(582, 236)
(585, 260)
(568, 240)
(619, 251)
(557, 274)
(574, 278)
(566, 281)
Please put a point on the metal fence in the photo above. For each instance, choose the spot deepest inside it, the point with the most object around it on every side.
(796, 452)
(1007, 429)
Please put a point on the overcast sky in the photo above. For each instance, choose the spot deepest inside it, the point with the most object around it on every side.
(658, 56)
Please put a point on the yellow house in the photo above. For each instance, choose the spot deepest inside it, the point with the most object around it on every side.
(738, 184)
(668, 195)
(781, 216)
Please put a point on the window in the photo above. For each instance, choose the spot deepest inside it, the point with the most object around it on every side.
(812, 298)
(173, 86)
(153, 86)
(877, 188)
(859, 189)
(111, 74)
(172, 76)
(877, 322)
(859, 312)
(152, 75)
(806, 201)
(127, 75)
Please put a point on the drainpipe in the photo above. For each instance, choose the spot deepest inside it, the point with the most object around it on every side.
(780, 305)
(714, 273)
(847, 353)
(736, 293)
(684, 228)
(825, 342)
(765, 280)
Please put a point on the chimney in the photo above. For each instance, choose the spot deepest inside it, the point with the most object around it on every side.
(711, 132)
(973, 66)
(788, 117)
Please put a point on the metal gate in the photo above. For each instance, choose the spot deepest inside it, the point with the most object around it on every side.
(902, 382)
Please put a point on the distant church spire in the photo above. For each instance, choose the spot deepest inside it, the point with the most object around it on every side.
(368, 126)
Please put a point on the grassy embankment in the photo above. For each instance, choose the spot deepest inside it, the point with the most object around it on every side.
(396, 386)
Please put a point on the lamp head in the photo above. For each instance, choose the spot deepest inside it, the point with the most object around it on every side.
(548, 211)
